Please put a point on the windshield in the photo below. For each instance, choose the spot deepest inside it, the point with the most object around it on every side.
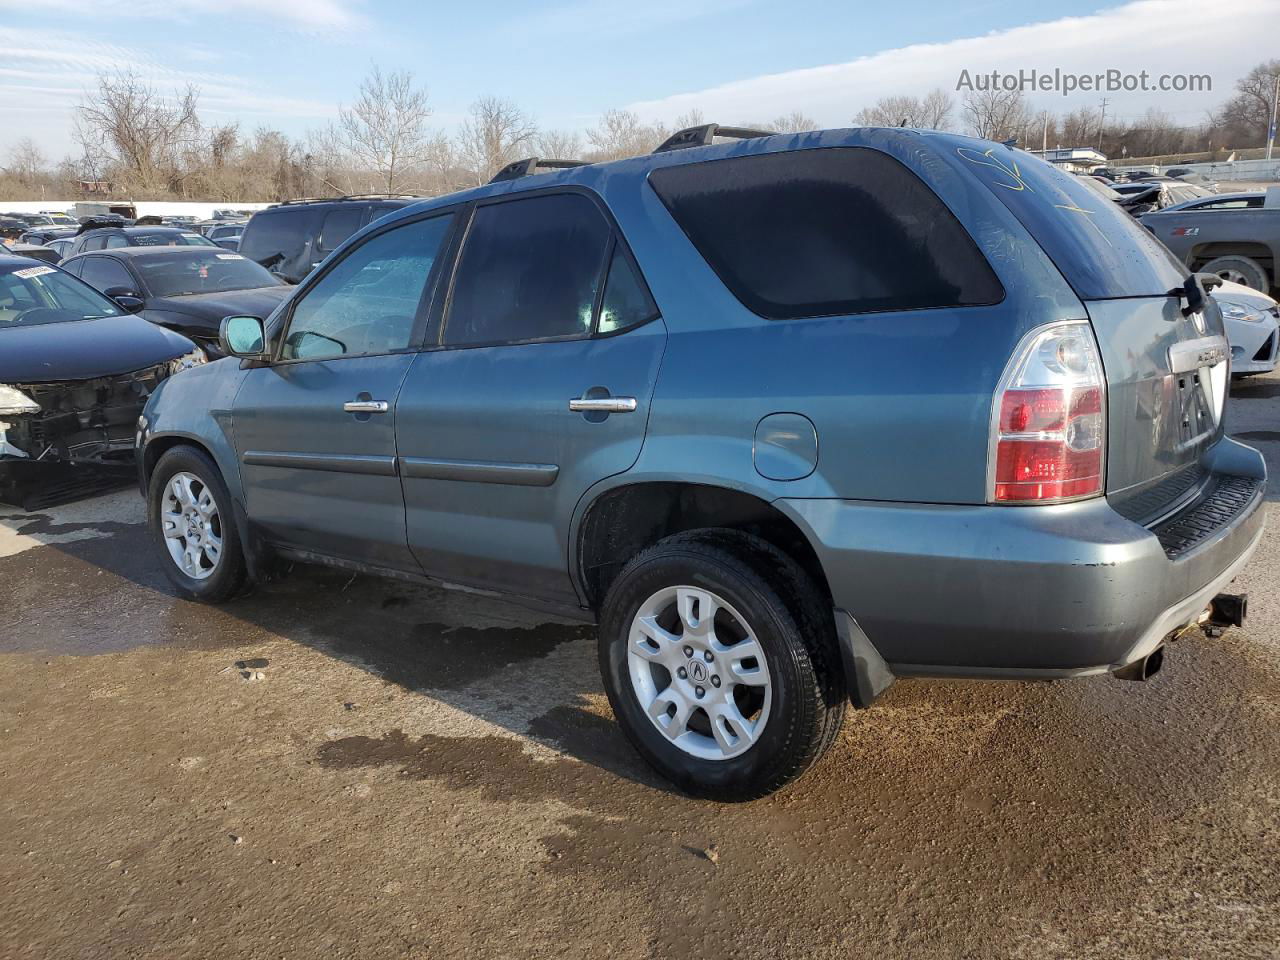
(41, 294)
(201, 271)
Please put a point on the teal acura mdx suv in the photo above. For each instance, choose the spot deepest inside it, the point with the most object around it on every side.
(787, 416)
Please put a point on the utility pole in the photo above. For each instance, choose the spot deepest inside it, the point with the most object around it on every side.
(1275, 104)
(1102, 122)
(1044, 139)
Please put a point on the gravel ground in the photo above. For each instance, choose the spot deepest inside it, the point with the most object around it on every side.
(346, 767)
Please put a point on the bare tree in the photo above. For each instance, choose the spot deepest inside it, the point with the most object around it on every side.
(558, 144)
(622, 133)
(930, 112)
(134, 130)
(491, 136)
(997, 114)
(385, 130)
(26, 161)
(797, 121)
(1249, 111)
(1080, 127)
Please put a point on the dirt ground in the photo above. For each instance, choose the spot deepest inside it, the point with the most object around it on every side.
(343, 767)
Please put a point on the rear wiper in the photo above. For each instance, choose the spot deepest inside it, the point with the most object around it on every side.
(1192, 293)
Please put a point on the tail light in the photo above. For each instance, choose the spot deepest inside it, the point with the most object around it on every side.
(1048, 430)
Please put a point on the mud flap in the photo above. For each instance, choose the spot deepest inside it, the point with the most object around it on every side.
(866, 673)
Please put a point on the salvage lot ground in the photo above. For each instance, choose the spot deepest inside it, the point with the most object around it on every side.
(428, 774)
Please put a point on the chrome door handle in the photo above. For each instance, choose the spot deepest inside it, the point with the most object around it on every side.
(366, 406)
(603, 405)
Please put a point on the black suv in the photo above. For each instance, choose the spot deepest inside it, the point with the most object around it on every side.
(293, 237)
(93, 237)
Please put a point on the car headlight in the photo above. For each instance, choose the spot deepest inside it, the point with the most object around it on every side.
(13, 402)
(1236, 310)
(187, 361)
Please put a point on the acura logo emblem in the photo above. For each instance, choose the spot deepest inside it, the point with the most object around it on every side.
(697, 671)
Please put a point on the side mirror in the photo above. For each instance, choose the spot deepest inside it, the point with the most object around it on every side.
(126, 299)
(1209, 280)
(243, 337)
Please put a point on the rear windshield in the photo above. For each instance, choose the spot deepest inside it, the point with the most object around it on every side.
(172, 239)
(1101, 250)
(812, 233)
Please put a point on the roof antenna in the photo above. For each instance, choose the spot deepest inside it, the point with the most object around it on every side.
(903, 123)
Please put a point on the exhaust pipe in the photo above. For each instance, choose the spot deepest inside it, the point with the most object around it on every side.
(1143, 669)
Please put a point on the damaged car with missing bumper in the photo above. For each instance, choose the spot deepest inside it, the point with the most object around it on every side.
(75, 373)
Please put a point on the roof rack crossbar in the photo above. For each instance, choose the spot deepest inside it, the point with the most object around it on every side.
(351, 196)
(703, 135)
(531, 165)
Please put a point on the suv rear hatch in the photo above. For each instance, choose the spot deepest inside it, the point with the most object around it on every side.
(1161, 339)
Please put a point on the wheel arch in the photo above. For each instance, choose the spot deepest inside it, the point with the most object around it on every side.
(620, 521)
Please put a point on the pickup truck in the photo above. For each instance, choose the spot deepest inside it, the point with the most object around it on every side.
(1239, 245)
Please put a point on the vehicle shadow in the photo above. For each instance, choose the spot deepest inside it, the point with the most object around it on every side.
(522, 670)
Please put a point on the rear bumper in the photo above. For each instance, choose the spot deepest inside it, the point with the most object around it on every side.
(1026, 592)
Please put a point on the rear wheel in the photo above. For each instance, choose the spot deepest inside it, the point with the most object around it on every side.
(719, 659)
(189, 515)
(1240, 269)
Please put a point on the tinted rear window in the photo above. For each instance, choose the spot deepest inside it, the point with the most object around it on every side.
(275, 236)
(1101, 250)
(820, 232)
(339, 224)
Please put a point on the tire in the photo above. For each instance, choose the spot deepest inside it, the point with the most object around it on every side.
(1240, 269)
(219, 577)
(792, 698)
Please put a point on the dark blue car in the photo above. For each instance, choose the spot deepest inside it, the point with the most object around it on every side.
(787, 416)
(75, 371)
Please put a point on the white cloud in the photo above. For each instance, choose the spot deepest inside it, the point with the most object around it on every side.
(304, 14)
(1160, 36)
(46, 73)
(599, 18)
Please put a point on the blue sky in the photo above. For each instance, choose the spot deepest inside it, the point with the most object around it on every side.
(289, 63)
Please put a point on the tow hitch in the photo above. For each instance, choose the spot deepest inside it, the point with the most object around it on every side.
(1225, 610)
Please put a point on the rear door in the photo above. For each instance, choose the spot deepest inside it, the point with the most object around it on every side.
(540, 387)
(1165, 363)
(315, 430)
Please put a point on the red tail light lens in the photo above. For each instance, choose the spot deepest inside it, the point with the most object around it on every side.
(1049, 426)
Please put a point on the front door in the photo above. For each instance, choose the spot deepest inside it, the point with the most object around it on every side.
(540, 387)
(315, 430)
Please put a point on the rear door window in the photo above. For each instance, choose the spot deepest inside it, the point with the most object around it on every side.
(529, 270)
(813, 233)
(1100, 249)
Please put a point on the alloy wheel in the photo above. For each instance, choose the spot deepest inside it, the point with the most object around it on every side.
(192, 525)
(699, 673)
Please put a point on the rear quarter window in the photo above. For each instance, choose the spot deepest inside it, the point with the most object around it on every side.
(1098, 247)
(822, 232)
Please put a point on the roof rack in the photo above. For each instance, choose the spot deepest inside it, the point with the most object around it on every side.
(353, 196)
(530, 165)
(701, 136)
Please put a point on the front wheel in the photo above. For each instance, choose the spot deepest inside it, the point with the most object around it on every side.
(719, 659)
(189, 515)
